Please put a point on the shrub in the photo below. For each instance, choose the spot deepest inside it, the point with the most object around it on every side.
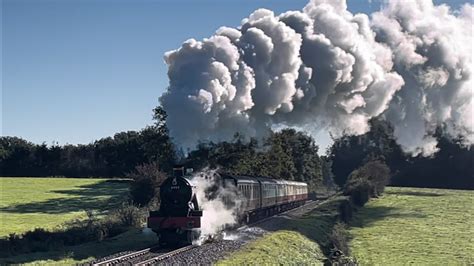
(146, 181)
(378, 173)
(359, 192)
(76, 232)
(340, 251)
(345, 211)
(339, 238)
(367, 181)
(129, 215)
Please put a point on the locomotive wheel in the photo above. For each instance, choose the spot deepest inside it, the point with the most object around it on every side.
(168, 238)
(173, 238)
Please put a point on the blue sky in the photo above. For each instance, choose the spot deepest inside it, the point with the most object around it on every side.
(74, 71)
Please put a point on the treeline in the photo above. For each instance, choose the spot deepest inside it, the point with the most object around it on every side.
(287, 154)
(108, 157)
(450, 167)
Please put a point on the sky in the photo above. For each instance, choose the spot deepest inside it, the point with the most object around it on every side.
(74, 71)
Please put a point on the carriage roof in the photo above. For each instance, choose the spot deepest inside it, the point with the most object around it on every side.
(263, 180)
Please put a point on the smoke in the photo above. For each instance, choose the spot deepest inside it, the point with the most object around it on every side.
(327, 69)
(432, 50)
(220, 205)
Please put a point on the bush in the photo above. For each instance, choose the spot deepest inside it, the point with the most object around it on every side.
(345, 211)
(145, 188)
(378, 173)
(359, 192)
(340, 251)
(339, 238)
(76, 232)
(367, 181)
(129, 215)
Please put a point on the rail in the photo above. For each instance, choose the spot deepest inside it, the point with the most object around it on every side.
(123, 258)
(165, 256)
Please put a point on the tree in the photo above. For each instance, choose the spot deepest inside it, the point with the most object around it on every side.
(298, 157)
(107, 157)
(18, 157)
(350, 152)
(156, 142)
(147, 179)
(367, 181)
(287, 154)
(450, 167)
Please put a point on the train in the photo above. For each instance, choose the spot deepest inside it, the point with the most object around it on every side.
(177, 222)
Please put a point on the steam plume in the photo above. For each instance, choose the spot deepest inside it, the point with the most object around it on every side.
(329, 69)
(212, 197)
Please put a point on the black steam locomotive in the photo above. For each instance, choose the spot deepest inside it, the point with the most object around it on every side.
(178, 220)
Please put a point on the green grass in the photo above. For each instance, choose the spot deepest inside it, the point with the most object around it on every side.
(279, 248)
(28, 203)
(131, 240)
(295, 240)
(415, 226)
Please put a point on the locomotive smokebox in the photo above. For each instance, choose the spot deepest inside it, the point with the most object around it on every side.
(175, 194)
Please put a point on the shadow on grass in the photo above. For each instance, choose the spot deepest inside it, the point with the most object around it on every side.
(415, 193)
(131, 240)
(101, 196)
(372, 214)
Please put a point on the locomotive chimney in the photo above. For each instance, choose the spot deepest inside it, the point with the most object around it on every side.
(178, 171)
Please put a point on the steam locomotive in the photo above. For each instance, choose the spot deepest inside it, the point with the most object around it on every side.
(178, 219)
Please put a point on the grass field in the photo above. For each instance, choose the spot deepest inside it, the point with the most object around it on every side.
(415, 226)
(131, 240)
(28, 203)
(295, 241)
(279, 248)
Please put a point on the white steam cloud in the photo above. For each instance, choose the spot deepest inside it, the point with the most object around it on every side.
(220, 205)
(326, 68)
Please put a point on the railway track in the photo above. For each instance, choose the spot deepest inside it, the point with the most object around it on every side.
(124, 258)
(277, 214)
(161, 257)
(153, 255)
(135, 258)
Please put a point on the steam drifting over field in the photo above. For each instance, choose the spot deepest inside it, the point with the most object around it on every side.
(328, 69)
